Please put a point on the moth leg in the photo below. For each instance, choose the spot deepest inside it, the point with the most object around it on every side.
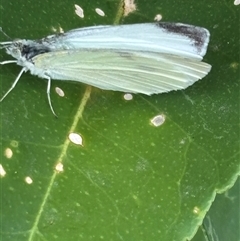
(48, 95)
(14, 83)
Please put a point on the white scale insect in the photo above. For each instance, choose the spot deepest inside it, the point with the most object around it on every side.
(148, 58)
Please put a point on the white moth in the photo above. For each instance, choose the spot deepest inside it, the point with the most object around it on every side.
(148, 58)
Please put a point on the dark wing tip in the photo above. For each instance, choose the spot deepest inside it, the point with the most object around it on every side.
(199, 36)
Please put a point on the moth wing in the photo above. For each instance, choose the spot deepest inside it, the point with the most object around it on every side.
(168, 38)
(127, 71)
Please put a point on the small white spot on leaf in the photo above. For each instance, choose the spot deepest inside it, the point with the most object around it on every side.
(28, 180)
(196, 210)
(59, 167)
(99, 12)
(158, 120)
(128, 96)
(59, 91)
(236, 2)
(158, 17)
(76, 139)
(79, 11)
(8, 153)
(129, 7)
(59, 30)
(2, 171)
(182, 141)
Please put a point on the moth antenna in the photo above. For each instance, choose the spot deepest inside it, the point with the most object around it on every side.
(1, 30)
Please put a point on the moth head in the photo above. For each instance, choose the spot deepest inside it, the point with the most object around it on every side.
(13, 48)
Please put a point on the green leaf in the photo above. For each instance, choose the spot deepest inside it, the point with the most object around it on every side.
(130, 180)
